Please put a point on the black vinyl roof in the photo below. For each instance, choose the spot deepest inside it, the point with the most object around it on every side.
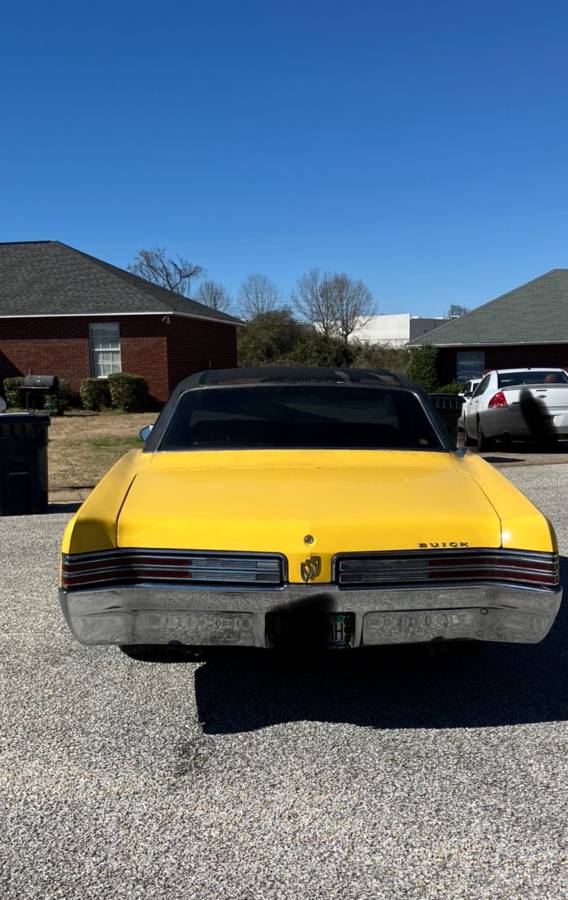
(259, 375)
(292, 375)
(279, 375)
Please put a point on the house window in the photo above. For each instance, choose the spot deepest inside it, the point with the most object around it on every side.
(105, 349)
(470, 364)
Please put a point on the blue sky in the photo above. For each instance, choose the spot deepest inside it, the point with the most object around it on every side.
(420, 146)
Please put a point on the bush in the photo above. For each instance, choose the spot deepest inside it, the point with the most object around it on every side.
(95, 393)
(11, 393)
(422, 367)
(58, 400)
(454, 387)
(50, 404)
(63, 397)
(276, 338)
(313, 349)
(54, 402)
(269, 338)
(380, 356)
(128, 392)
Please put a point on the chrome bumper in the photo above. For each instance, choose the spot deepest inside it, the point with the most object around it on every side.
(200, 617)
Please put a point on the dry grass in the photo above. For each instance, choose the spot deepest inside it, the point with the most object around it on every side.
(82, 447)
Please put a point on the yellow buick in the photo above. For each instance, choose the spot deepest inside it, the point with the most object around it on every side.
(305, 507)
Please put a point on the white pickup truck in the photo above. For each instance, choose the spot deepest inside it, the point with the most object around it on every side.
(517, 403)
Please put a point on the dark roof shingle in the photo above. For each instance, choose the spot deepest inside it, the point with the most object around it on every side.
(50, 278)
(535, 313)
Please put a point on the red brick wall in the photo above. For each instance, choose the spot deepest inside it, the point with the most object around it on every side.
(60, 346)
(537, 355)
(162, 351)
(194, 344)
(144, 352)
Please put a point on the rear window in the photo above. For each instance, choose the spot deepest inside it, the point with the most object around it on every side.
(299, 416)
(544, 376)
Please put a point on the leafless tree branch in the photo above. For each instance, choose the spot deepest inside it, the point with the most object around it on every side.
(257, 295)
(353, 302)
(333, 303)
(173, 274)
(213, 294)
(313, 300)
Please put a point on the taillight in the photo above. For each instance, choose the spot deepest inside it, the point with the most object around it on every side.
(467, 566)
(498, 400)
(136, 566)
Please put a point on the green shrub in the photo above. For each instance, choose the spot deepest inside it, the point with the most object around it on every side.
(128, 392)
(454, 387)
(269, 338)
(58, 400)
(50, 404)
(11, 393)
(63, 397)
(380, 356)
(95, 393)
(313, 349)
(422, 367)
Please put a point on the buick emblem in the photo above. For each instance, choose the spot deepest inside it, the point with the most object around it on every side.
(310, 568)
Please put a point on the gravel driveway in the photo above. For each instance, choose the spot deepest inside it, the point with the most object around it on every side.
(384, 773)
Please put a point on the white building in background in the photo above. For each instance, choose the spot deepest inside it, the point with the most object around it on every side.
(396, 330)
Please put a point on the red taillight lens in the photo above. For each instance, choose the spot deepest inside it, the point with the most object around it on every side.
(135, 566)
(498, 400)
(458, 567)
(497, 567)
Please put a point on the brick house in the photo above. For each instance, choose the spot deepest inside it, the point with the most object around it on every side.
(527, 326)
(65, 313)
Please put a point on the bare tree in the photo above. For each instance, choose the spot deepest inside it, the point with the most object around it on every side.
(314, 301)
(456, 309)
(334, 303)
(173, 274)
(353, 304)
(257, 295)
(213, 294)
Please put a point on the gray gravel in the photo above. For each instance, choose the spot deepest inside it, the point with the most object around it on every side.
(384, 773)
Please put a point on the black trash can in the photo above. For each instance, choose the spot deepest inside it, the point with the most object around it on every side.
(449, 408)
(23, 463)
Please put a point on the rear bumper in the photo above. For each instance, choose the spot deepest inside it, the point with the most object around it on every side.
(509, 420)
(199, 617)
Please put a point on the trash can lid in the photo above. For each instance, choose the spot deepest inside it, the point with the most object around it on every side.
(36, 418)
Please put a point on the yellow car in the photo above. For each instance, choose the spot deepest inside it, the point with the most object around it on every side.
(293, 507)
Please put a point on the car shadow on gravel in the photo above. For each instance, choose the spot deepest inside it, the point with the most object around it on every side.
(63, 507)
(434, 686)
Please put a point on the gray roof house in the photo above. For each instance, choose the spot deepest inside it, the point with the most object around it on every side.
(527, 326)
(66, 313)
(53, 279)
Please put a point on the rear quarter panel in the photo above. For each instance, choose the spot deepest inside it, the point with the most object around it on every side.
(94, 525)
(523, 526)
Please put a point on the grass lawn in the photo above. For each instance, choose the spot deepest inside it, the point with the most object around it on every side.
(83, 446)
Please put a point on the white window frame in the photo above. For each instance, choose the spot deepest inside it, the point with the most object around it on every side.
(104, 343)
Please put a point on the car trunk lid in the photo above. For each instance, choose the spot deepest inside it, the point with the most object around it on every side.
(300, 503)
(554, 397)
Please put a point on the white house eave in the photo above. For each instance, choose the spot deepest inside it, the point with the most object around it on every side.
(113, 315)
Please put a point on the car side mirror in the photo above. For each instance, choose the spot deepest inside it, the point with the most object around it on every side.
(146, 432)
(468, 394)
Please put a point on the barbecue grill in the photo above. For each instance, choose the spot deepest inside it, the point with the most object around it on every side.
(38, 386)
